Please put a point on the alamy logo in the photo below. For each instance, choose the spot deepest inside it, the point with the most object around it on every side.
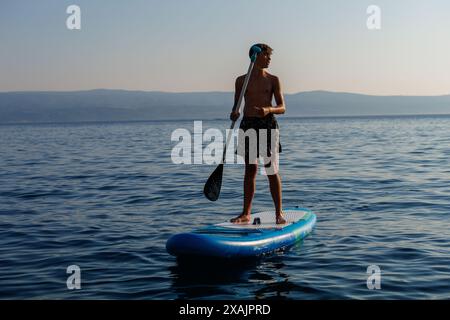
(74, 280)
(374, 279)
(73, 22)
(374, 20)
(190, 150)
(253, 146)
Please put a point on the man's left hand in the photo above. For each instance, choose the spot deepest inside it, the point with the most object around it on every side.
(263, 111)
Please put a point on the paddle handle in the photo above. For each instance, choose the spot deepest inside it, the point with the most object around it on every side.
(238, 106)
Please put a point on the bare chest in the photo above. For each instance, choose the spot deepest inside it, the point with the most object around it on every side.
(259, 88)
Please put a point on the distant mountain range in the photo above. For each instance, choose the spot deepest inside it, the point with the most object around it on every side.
(122, 105)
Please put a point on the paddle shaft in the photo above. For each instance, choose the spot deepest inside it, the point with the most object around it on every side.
(237, 107)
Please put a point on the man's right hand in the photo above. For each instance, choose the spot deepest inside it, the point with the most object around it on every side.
(234, 115)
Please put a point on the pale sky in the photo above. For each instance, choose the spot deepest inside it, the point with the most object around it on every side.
(202, 45)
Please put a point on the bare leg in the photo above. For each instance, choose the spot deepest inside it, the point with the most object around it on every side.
(249, 192)
(275, 190)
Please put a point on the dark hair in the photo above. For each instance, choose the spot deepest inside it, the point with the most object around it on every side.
(264, 48)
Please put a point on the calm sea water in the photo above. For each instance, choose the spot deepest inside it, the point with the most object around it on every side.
(106, 197)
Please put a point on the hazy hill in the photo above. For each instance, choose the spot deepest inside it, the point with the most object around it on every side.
(121, 105)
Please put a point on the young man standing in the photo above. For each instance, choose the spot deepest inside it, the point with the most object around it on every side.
(259, 122)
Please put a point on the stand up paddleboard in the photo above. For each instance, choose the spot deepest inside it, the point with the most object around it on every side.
(261, 236)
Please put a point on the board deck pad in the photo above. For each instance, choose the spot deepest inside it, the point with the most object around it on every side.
(267, 219)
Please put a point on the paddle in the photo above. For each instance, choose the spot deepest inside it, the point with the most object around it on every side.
(214, 183)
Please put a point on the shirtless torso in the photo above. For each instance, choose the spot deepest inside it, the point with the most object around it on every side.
(262, 87)
(259, 93)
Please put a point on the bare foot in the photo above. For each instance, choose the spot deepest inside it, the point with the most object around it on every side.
(280, 219)
(243, 218)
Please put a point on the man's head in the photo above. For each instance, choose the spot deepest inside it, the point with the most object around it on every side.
(263, 59)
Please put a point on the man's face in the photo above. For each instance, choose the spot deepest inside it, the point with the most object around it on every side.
(263, 60)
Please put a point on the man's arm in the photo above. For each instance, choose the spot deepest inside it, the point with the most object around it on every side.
(280, 108)
(237, 92)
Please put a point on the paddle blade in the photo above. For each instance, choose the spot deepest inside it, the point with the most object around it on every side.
(214, 183)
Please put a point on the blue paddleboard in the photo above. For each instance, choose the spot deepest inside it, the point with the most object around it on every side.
(261, 236)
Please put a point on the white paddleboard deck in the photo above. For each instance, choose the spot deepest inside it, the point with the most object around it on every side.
(266, 220)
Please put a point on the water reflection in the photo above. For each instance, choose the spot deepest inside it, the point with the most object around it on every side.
(197, 278)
